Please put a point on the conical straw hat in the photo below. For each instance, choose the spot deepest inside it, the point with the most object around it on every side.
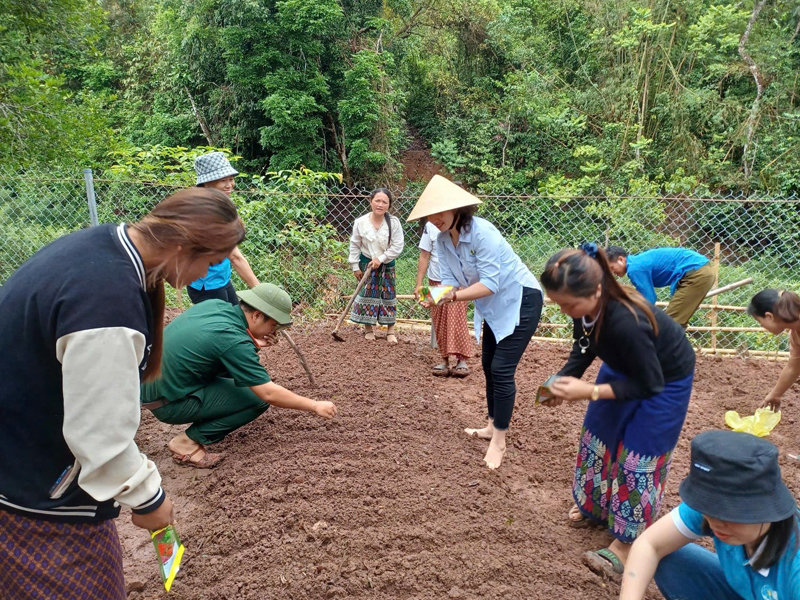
(440, 195)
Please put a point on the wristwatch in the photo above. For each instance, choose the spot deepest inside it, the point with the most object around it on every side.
(595, 393)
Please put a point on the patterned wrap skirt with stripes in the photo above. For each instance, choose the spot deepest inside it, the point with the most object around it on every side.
(376, 303)
(625, 455)
(49, 560)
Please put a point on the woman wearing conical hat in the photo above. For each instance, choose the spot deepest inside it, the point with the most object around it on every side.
(480, 264)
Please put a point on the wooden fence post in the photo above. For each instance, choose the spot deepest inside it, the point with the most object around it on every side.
(714, 299)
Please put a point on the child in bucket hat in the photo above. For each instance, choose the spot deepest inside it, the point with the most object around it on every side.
(215, 171)
(734, 493)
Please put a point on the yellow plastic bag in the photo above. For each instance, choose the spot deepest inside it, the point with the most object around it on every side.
(759, 424)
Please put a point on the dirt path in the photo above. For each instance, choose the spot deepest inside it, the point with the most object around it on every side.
(390, 500)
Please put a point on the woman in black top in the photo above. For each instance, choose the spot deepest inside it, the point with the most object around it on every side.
(638, 403)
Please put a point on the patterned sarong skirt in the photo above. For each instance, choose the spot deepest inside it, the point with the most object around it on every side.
(376, 303)
(625, 454)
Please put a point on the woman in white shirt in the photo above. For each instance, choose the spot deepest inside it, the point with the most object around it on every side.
(449, 320)
(377, 241)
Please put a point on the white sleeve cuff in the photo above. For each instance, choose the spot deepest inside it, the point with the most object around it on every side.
(681, 526)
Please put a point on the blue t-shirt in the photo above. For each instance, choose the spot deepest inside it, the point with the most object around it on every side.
(662, 267)
(217, 277)
(781, 581)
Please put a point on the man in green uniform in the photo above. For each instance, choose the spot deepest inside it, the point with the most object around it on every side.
(211, 376)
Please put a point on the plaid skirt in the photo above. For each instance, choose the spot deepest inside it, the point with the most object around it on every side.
(46, 560)
(376, 303)
(625, 455)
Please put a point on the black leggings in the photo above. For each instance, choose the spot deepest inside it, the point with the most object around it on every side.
(226, 293)
(500, 360)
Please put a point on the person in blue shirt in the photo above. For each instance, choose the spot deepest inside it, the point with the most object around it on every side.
(214, 171)
(734, 494)
(688, 274)
(482, 267)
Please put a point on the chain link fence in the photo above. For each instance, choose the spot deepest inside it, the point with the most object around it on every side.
(298, 233)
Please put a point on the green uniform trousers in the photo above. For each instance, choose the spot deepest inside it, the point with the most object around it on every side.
(692, 289)
(214, 411)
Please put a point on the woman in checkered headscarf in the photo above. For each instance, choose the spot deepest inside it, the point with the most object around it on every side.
(215, 171)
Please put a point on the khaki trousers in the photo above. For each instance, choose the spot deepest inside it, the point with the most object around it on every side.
(689, 295)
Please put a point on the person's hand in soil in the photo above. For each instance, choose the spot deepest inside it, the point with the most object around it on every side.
(570, 388)
(772, 402)
(325, 409)
(158, 519)
(359, 274)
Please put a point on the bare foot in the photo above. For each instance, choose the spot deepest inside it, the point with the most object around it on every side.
(484, 433)
(496, 452)
(369, 336)
(575, 514)
(391, 338)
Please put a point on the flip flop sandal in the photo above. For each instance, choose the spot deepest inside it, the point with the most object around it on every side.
(583, 522)
(209, 461)
(459, 371)
(604, 563)
(391, 338)
(441, 370)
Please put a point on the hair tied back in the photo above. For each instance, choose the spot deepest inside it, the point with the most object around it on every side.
(590, 248)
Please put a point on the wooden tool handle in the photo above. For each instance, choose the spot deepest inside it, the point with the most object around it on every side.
(301, 356)
(361, 283)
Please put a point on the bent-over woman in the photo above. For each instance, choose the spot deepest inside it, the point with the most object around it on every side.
(85, 314)
(480, 263)
(777, 312)
(637, 405)
(376, 242)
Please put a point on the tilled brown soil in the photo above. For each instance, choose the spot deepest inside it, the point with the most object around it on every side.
(390, 500)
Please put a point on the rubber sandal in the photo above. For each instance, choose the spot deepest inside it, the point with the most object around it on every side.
(583, 522)
(460, 371)
(209, 461)
(391, 338)
(604, 563)
(369, 336)
(441, 370)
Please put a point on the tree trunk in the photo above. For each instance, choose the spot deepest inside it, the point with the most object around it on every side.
(341, 151)
(760, 85)
(200, 119)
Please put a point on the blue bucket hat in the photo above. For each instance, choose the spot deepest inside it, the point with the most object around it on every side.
(213, 166)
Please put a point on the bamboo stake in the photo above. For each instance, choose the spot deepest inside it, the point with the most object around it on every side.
(714, 301)
(301, 356)
(729, 287)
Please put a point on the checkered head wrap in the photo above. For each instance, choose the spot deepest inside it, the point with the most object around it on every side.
(213, 166)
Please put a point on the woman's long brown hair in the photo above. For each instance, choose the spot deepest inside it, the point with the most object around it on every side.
(574, 272)
(200, 220)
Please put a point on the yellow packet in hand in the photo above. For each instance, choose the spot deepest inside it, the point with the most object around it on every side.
(170, 552)
(434, 294)
(760, 424)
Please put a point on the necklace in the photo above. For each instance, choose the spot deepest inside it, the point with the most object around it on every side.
(588, 328)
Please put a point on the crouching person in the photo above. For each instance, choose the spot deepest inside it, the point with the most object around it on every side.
(211, 376)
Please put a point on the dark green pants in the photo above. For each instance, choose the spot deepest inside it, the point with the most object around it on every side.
(214, 411)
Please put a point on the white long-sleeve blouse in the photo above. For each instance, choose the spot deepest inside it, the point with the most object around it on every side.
(373, 242)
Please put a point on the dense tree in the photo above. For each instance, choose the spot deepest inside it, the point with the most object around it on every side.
(567, 96)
